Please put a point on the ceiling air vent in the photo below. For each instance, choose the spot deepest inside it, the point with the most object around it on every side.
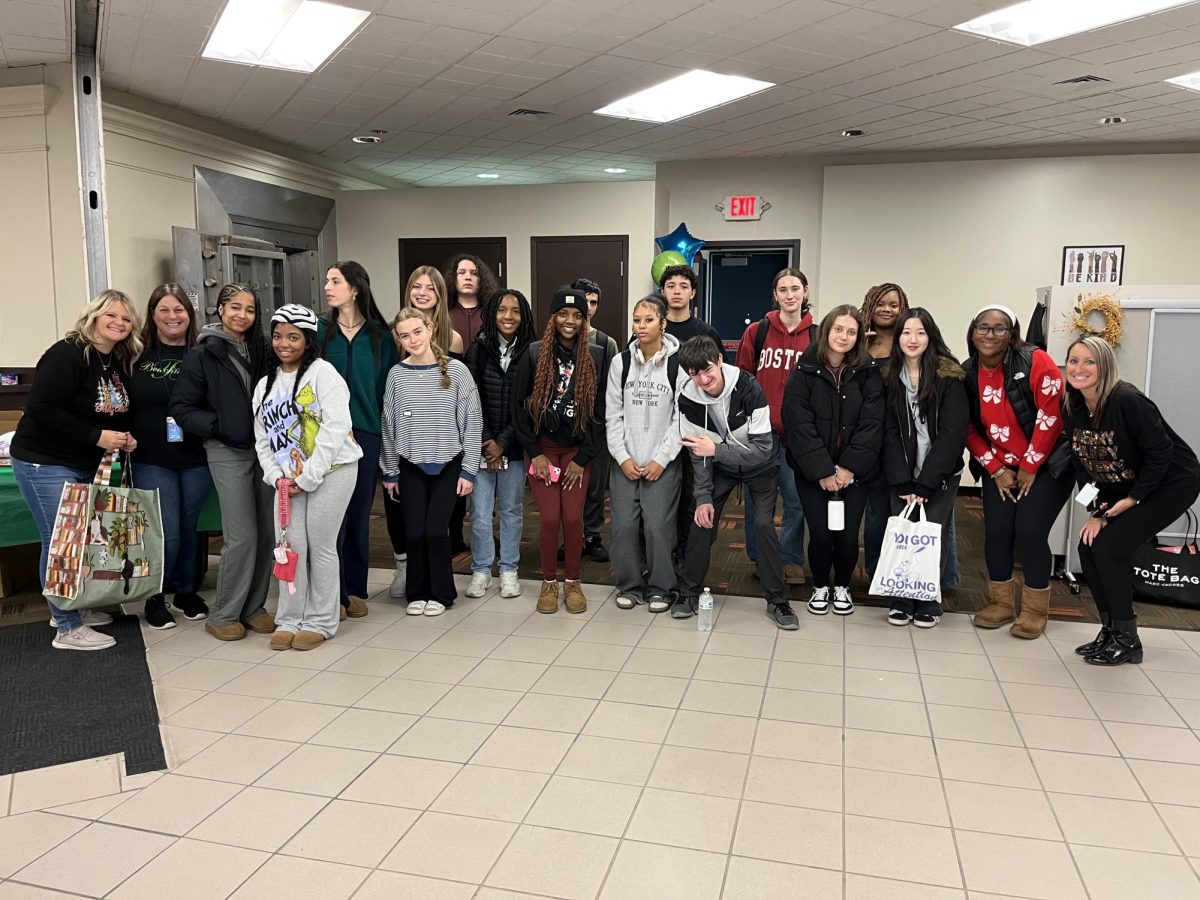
(1083, 79)
(530, 113)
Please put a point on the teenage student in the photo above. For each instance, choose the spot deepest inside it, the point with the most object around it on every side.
(559, 414)
(643, 440)
(304, 437)
(354, 339)
(725, 426)
(432, 439)
(1015, 439)
(593, 507)
(769, 350)
(925, 433)
(1146, 477)
(507, 331)
(469, 283)
(833, 422)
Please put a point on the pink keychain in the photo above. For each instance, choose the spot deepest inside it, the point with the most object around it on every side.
(285, 557)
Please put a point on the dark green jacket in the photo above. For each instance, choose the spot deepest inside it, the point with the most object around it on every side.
(364, 368)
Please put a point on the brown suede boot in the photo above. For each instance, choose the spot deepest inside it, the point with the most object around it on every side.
(282, 640)
(548, 598)
(260, 624)
(576, 602)
(234, 631)
(306, 640)
(357, 608)
(1035, 610)
(1002, 608)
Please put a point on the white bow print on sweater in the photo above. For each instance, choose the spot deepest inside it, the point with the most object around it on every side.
(1051, 386)
(986, 458)
(1032, 456)
(993, 395)
(998, 434)
(1045, 422)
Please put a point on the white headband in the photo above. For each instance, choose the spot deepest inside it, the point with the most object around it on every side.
(1012, 316)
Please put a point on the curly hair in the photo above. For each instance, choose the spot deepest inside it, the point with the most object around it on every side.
(439, 352)
(488, 284)
(585, 378)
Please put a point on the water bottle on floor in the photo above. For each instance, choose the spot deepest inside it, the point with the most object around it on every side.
(704, 620)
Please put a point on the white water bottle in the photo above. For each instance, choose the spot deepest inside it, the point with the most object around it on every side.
(837, 512)
(704, 619)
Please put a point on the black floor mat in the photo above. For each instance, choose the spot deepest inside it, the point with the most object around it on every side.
(59, 706)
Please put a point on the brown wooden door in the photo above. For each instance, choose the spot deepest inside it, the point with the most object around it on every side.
(602, 258)
(439, 251)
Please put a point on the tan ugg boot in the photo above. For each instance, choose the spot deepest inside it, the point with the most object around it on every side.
(1035, 610)
(1001, 609)
(575, 601)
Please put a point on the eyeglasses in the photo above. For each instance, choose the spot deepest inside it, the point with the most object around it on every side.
(997, 330)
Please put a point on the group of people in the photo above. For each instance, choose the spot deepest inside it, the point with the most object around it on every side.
(857, 417)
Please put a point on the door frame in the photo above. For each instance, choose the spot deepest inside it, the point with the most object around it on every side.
(534, 240)
(501, 239)
(705, 298)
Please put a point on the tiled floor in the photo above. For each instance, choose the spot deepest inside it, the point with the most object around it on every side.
(494, 752)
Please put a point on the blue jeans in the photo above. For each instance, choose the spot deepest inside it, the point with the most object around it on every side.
(182, 494)
(507, 486)
(791, 534)
(41, 488)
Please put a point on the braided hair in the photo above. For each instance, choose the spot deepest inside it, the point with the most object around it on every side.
(546, 375)
(307, 359)
(877, 293)
(489, 333)
(256, 340)
(439, 352)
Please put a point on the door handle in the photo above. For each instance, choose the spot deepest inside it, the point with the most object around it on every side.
(622, 268)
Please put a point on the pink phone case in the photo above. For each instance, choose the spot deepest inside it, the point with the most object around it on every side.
(555, 473)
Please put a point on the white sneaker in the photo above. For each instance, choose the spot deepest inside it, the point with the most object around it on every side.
(510, 585)
(818, 603)
(416, 608)
(92, 618)
(83, 638)
(480, 582)
(399, 581)
(843, 603)
(433, 608)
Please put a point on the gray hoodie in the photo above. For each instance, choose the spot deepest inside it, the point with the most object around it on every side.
(640, 415)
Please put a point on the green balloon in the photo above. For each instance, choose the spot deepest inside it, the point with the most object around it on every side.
(663, 261)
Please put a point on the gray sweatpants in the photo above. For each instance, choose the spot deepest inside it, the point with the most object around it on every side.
(649, 507)
(312, 531)
(247, 538)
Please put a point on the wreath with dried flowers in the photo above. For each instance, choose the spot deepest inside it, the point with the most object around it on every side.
(1104, 304)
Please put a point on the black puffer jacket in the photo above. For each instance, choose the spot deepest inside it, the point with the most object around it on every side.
(212, 396)
(495, 393)
(947, 425)
(825, 424)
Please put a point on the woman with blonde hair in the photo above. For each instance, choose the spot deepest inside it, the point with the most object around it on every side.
(426, 291)
(78, 409)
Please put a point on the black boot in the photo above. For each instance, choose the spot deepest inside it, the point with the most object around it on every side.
(1101, 639)
(1123, 646)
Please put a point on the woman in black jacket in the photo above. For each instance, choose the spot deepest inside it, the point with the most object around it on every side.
(833, 425)
(507, 330)
(212, 401)
(1145, 476)
(925, 433)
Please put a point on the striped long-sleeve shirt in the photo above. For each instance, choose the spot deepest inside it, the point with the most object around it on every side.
(429, 425)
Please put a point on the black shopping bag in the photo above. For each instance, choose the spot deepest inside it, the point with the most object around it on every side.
(1170, 574)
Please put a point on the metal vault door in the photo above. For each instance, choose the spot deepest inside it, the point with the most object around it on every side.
(204, 263)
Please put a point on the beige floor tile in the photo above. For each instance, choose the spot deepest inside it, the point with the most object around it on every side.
(12, 891)
(247, 651)
(1044, 700)
(1112, 874)
(711, 772)
(740, 645)
(172, 805)
(271, 682)
(1055, 733)
(739, 619)
(667, 663)
(392, 885)
(609, 759)
(1032, 671)
(185, 870)
(329, 653)
(182, 744)
(259, 819)
(956, 691)
(903, 753)
(1077, 773)
(160, 663)
(528, 749)
(1000, 644)
(712, 731)
(955, 665)
(986, 764)
(1188, 709)
(935, 863)
(830, 652)
(313, 769)
(290, 720)
(799, 740)
(961, 723)
(890, 795)
(1174, 685)
(594, 656)
(336, 688)
(372, 661)
(402, 781)
(401, 637)
(1184, 823)
(1168, 782)
(877, 634)
(27, 836)
(552, 713)
(356, 834)
(865, 887)
(475, 704)
(363, 729)
(1017, 812)
(806, 677)
(1172, 661)
(95, 860)
(884, 685)
(763, 830)
(567, 681)
(803, 706)
(492, 622)
(237, 758)
(758, 879)
(811, 785)
(647, 690)
(561, 628)
(649, 870)
(733, 669)
(611, 633)
(1122, 680)
(1178, 745)
(525, 866)
(1119, 824)
(998, 864)
(93, 810)
(354, 633)
(871, 714)
(458, 642)
(451, 847)
(440, 668)
(575, 804)
(288, 877)
(729, 699)
(626, 721)
(171, 700)
(66, 783)
(488, 793)
(1140, 710)
(889, 659)
(690, 820)
(684, 640)
(521, 648)
(945, 640)
(219, 711)
(445, 739)
(403, 695)
(505, 674)
(204, 674)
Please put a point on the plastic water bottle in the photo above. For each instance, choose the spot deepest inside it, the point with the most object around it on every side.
(704, 620)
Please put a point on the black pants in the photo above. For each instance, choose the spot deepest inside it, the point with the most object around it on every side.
(1025, 526)
(354, 540)
(836, 550)
(455, 529)
(1108, 563)
(939, 509)
(593, 506)
(393, 513)
(429, 501)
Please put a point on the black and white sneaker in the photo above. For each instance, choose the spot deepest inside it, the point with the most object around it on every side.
(683, 608)
(818, 603)
(898, 617)
(157, 615)
(192, 606)
(926, 620)
(843, 603)
(783, 616)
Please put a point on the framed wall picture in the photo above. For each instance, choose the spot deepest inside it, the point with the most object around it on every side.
(1101, 264)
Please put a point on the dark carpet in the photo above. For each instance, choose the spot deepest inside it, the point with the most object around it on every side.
(60, 706)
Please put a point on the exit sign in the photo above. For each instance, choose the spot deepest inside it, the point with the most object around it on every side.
(743, 207)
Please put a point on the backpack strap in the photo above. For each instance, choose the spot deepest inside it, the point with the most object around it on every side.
(626, 358)
(760, 339)
(672, 370)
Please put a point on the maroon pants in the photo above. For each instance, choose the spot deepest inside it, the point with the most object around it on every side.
(560, 509)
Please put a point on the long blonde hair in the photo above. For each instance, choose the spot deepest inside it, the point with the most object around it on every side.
(81, 332)
(440, 315)
(1107, 377)
(439, 353)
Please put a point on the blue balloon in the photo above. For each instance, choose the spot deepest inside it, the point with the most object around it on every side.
(681, 241)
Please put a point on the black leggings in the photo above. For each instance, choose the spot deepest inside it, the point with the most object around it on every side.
(393, 512)
(429, 501)
(1024, 525)
(1108, 563)
(831, 549)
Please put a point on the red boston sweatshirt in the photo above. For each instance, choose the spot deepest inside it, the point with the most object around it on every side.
(780, 353)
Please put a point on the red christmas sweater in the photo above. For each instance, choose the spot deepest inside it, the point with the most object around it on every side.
(780, 353)
(1004, 443)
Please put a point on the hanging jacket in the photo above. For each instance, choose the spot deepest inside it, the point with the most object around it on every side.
(640, 412)
(495, 387)
(947, 433)
(826, 424)
(216, 382)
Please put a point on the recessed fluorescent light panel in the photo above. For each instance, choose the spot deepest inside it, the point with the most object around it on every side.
(488, 175)
(297, 35)
(1191, 81)
(1037, 21)
(615, 170)
(682, 96)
